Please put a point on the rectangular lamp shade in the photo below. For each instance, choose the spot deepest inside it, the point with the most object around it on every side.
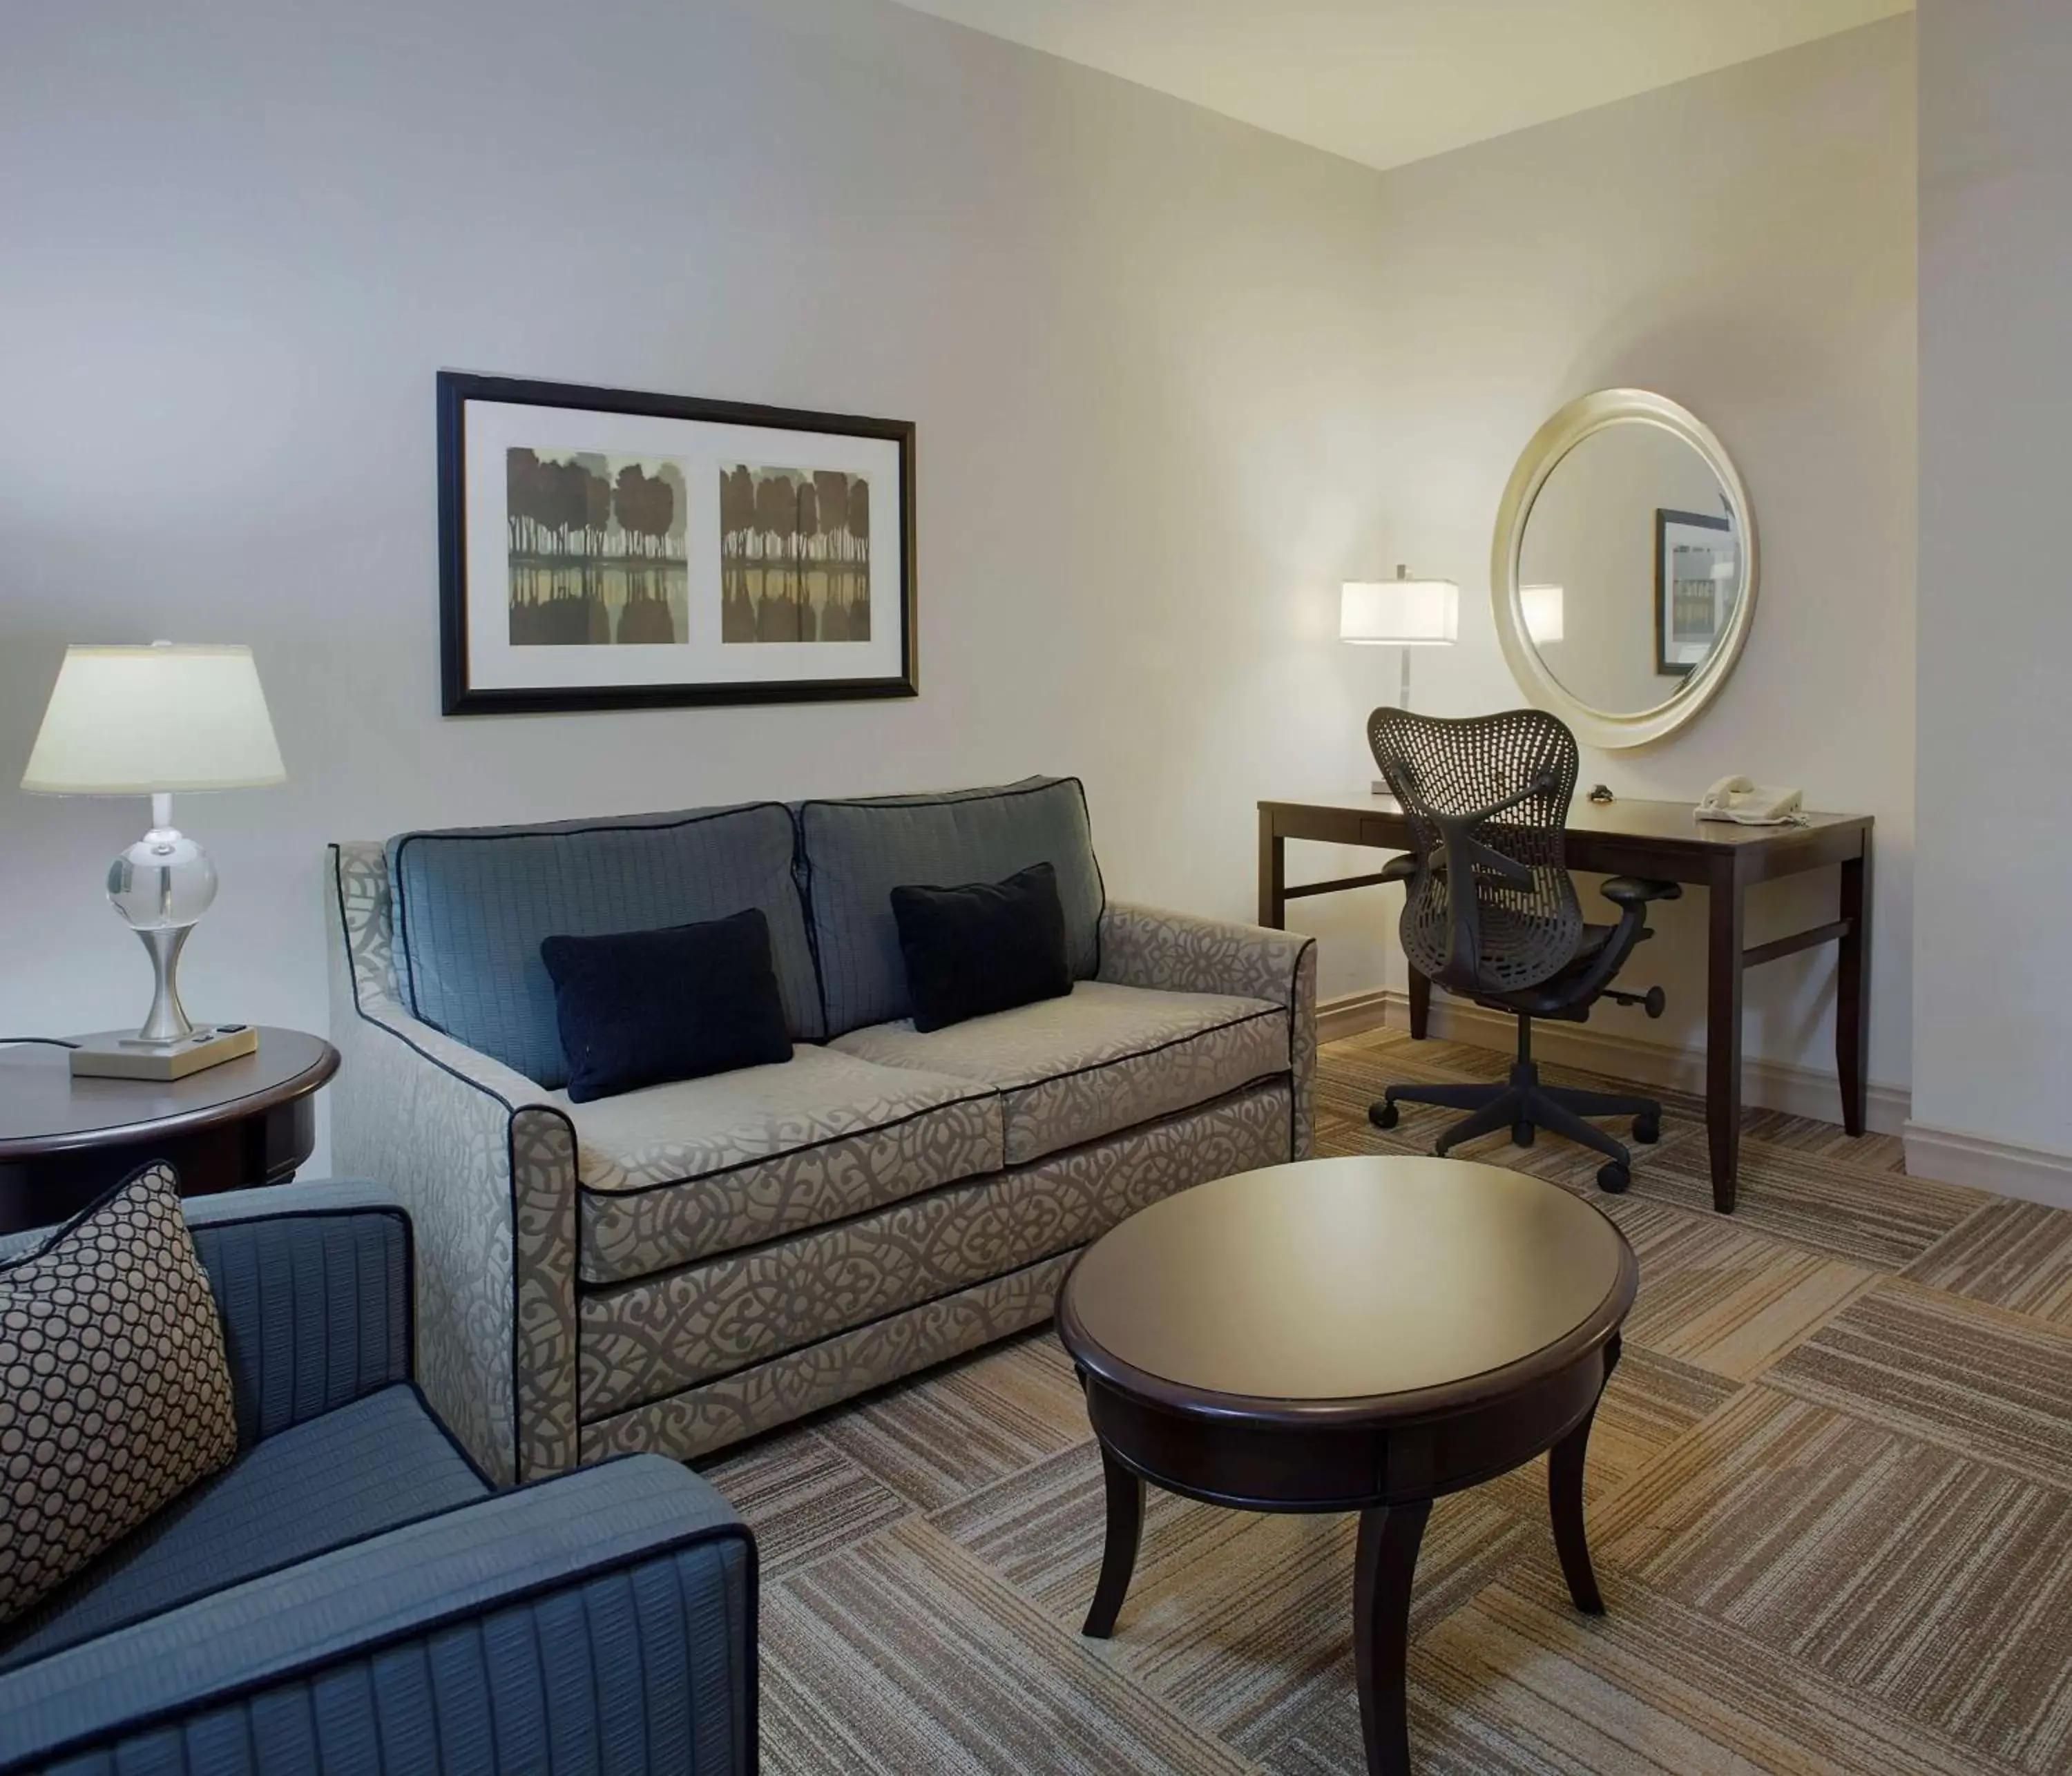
(1543, 611)
(1399, 613)
(151, 721)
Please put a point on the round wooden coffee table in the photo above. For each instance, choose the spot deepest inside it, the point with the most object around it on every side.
(1350, 1334)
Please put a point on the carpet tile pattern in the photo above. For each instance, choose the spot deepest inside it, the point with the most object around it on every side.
(1830, 1492)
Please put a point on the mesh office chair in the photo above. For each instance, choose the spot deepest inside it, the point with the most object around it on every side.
(1489, 913)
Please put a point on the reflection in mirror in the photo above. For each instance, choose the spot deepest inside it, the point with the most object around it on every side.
(1630, 568)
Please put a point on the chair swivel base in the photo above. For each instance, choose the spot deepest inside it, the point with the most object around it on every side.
(1524, 1106)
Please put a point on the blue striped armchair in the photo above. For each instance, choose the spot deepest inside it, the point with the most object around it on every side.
(351, 1592)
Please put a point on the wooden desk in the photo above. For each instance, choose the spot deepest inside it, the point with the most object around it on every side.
(1662, 840)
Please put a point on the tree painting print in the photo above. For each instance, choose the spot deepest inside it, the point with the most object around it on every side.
(595, 549)
(794, 555)
(615, 548)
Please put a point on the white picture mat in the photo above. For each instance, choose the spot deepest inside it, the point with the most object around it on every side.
(1722, 546)
(703, 447)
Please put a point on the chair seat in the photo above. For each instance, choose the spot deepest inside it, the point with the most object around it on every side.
(1104, 1059)
(381, 1461)
(675, 1173)
(1557, 996)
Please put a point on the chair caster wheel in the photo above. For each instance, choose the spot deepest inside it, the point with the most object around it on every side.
(1614, 1177)
(1384, 1115)
(1521, 1134)
(1647, 1130)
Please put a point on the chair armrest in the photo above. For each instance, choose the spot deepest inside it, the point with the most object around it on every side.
(615, 1606)
(313, 1283)
(1627, 891)
(1403, 867)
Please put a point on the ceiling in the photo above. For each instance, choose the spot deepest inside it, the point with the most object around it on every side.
(1386, 81)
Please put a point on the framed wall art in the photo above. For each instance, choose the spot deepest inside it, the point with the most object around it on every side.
(1697, 576)
(604, 549)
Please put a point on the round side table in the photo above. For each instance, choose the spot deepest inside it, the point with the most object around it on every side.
(64, 1140)
(1358, 1335)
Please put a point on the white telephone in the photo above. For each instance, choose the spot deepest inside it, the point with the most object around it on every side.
(1745, 803)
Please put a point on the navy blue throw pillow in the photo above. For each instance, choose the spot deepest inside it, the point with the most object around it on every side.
(643, 1008)
(989, 946)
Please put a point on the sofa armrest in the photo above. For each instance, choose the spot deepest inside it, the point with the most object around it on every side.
(612, 1607)
(1178, 953)
(485, 1163)
(313, 1283)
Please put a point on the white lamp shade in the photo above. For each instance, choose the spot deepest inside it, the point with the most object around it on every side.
(1543, 611)
(150, 720)
(1399, 613)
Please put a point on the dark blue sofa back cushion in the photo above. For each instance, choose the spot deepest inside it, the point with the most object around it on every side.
(471, 906)
(857, 852)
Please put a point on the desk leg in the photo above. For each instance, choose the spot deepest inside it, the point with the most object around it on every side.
(1272, 875)
(1852, 992)
(1723, 1033)
(1420, 1005)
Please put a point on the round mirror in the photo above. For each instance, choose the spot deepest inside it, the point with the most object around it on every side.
(1624, 570)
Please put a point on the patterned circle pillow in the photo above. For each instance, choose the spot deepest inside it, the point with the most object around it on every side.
(114, 1391)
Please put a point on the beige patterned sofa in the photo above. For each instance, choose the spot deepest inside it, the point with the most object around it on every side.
(685, 1265)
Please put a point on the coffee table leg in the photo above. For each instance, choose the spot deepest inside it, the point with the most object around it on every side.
(1564, 1500)
(1125, 1530)
(1389, 1535)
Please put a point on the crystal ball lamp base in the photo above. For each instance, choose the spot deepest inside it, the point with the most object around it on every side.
(162, 885)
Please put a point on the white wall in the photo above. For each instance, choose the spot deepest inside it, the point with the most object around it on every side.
(1744, 242)
(1135, 338)
(1174, 379)
(1992, 1028)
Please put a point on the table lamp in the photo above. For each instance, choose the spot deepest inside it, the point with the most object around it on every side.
(1399, 613)
(1543, 607)
(151, 721)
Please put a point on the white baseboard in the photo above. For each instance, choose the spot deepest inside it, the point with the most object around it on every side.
(1765, 1085)
(2035, 1174)
(1352, 1014)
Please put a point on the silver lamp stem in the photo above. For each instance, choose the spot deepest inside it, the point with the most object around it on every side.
(167, 1021)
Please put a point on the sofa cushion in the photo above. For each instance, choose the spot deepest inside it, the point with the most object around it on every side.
(857, 852)
(1105, 1058)
(472, 906)
(681, 1171)
(380, 1462)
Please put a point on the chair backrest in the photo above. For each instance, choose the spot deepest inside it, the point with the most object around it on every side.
(1491, 909)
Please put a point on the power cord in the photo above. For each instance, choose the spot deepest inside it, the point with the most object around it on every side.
(46, 1041)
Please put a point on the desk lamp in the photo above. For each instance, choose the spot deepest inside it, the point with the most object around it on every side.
(1399, 613)
(1542, 607)
(149, 721)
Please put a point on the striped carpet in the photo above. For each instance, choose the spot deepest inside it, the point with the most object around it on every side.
(1829, 1494)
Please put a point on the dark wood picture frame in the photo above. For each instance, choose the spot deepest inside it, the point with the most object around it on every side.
(458, 696)
(1664, 666)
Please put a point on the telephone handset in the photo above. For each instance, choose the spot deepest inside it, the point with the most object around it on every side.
(1745, 803)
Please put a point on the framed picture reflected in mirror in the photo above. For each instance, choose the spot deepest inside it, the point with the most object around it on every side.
(1697, 574)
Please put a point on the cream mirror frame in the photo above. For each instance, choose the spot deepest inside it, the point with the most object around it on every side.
(1581, 419)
